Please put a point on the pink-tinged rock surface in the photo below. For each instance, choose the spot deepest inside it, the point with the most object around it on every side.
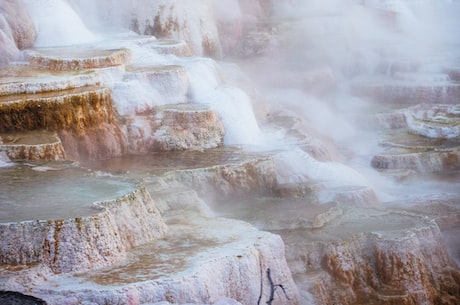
(346, 233)
(174, 127)
(85, 242)
(402, 259)
(200, 261)
(17, 30)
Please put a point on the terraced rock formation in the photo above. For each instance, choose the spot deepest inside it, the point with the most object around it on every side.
(122, 187)
(32, 146)
(426, 140)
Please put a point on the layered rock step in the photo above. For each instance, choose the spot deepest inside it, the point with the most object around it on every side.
(426, 139)
(188, 126)
(57, 96)
(263, 212)
(18, 87)
(295, 206)
(409, 89)
(232, 172)
(236, 175)
(200, 261)
(345, 251)
(69, 219)
(371, 265)
(438, 121)
(70, 109)
(443, 208)
(164, 164)
(74, 59)
(170, 46)
(33, 145)
(419, 154)
(175, 127)
(359, 255)
(297, 132)
(28, 80)
(213, 173)
(178, 48)
(83, 117)
(432, 121)
(328, 245)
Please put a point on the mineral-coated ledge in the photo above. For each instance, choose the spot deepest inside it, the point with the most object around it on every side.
(32, 146)
(29, 80)
(73, 60)
(81, 243)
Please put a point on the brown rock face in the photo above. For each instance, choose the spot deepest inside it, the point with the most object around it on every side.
(84, 119)
(16, 30)
(100, 142)
(73, 110)
(414, 269)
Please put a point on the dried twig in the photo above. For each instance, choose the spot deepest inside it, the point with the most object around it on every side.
(261, 283)
(273, 288)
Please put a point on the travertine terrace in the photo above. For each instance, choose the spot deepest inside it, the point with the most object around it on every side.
(229, 152)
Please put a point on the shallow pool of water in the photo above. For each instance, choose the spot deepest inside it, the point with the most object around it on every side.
(28, 194)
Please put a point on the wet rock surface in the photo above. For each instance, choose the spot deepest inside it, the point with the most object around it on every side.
(171, 81)
(368, 255)
(171, 46)
(62, 233)
(32, 146)
(428, 141)
(27, 80)
(70, 59)
(183, 264)
(160, 210)
(175, 127)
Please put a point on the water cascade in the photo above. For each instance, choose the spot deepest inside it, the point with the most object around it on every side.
(230, 152)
